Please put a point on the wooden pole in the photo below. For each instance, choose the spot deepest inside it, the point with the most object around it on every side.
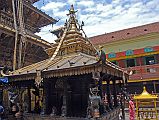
(20, 54)
(16, 36)
(21, 31)
(29, 99)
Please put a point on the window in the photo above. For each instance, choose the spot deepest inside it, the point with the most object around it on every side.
(129, 52)
(148, 49)
(149, 60)
(130, 62)
(111, 55)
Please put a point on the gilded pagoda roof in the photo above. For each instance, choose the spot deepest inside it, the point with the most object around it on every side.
(72, 54)
(145, 95)
(75, 64)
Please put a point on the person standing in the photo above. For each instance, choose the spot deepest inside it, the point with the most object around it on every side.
(131, 109)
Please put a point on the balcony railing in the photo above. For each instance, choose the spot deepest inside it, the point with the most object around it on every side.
(146, 72)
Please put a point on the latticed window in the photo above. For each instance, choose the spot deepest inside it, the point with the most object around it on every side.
(111, 55)
(148, 49)
(130, 62)
(129, 52)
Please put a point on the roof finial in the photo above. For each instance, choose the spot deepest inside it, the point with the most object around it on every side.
(72, 11)
(144, 88)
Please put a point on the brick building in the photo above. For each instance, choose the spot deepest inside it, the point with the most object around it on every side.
(137, 51)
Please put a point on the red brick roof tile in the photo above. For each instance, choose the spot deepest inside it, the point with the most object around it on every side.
(125, 34)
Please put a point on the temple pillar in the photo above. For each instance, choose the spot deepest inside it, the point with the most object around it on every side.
(64, 104)
(115, 93)
(29, 99)
(46, 95)
(108, 94)
(85, 93)
(100, 86)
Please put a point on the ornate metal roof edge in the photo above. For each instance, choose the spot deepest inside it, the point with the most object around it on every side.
(79, 70)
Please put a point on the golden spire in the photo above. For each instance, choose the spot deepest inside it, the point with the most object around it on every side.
(72, 11)
(72, 40)
(73, 26)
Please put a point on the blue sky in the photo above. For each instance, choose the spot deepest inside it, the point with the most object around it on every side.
(100, 16)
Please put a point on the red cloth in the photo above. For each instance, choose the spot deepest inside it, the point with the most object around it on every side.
(131, 110)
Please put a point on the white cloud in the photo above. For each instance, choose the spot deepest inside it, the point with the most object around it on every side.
(46, 33)
(61, 14)
(53, 6)
(71, 2)
(101, 17)
(87, 3)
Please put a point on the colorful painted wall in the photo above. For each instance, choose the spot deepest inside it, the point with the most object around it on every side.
(134, 43)
(139, 50)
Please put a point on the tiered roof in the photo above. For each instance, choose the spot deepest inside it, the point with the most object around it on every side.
(73, 54)
(35, 17)
(73, 39)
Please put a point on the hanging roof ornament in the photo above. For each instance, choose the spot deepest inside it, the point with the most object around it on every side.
(38, 78)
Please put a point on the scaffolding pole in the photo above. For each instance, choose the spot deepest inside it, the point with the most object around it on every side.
(16, 36)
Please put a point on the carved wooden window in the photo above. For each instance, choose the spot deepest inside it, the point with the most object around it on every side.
(111, 55)
(129, 52)
(148, 49)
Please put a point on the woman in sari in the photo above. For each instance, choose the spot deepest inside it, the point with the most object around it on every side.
(131, 109)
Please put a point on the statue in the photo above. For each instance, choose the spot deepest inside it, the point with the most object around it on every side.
(95, 101)
(63, 111)
(101, 56)
(53, 113)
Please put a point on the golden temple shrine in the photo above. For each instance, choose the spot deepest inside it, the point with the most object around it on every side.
(146, 108)
(69, 83)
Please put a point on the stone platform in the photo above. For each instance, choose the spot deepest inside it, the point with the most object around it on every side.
(112, 115)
